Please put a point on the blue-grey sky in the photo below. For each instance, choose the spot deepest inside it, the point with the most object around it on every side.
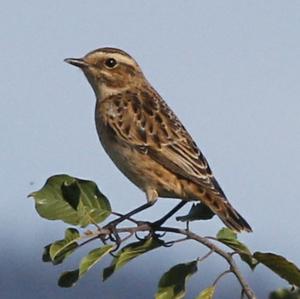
(229, 69)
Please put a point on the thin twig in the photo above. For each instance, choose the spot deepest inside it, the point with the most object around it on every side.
(170, 243)
(190, 235)
(89, 240)
(212, 238)
(111, 228)
(127, 237)
(201, 259)
(242, 293)
(248, 291)
(220, 276)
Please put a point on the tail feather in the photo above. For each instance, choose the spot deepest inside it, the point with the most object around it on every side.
(234, 220)
(230, 217)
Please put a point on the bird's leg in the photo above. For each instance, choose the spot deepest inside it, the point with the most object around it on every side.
(162, 220)
(151, 200)
(135, 211)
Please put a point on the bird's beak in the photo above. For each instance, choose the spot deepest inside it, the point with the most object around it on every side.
(79, 62)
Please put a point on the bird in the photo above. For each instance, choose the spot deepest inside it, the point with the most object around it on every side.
(146, 140)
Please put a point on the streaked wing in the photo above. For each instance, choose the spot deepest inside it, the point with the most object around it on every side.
(144, 121)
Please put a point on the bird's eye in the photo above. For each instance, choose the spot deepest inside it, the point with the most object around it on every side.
(110, 63)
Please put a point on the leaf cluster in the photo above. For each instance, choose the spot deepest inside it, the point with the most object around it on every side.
(80, 203)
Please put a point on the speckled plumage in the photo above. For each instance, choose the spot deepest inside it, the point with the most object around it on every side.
(146, 140)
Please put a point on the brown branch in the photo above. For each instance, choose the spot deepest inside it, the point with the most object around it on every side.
(233, 267)
(144, 226)
(201, 259)
(221, 276)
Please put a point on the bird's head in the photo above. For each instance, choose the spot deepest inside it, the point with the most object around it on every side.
(108, 70)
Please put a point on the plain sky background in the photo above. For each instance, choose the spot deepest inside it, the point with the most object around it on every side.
(229, 69)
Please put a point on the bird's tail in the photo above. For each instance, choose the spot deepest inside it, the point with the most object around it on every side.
(231, 218)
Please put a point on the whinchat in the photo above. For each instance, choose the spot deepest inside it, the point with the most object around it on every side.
(146, 140)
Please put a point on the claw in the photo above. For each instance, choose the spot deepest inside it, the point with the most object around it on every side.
(139, 238)
(168, 244)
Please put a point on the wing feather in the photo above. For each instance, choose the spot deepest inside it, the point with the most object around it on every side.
(156, 131)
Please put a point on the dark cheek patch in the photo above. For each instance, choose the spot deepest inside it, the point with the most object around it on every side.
(114, 78)
(127, 69)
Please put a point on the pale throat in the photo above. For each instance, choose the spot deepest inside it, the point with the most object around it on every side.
(103, 91)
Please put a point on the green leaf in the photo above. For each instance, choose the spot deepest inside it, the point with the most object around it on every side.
(92, 258)
(226, 233)
(130, 252)
(46, 254)
(197, 212)
(59, 250)
(68, 279)
(285, 294)
(207, 293)
(72, 200)
(281, 266)
(172, 283)
(58, 259)
(229, 238)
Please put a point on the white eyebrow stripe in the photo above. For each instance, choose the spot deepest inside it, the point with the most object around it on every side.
(122, 58)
